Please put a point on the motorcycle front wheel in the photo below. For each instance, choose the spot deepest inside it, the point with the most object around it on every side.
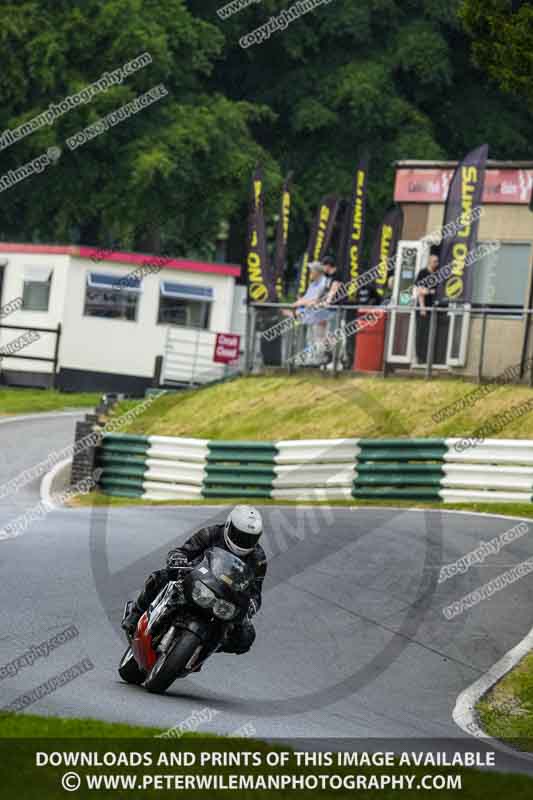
(172, 663)
(129, 670)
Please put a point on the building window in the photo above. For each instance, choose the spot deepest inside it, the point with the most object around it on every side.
(500, 279)
(188, 306)
(36, 289)
(112, 296)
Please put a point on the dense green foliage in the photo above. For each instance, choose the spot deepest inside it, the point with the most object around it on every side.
(149, 174)
(394, 77)
(503, 41)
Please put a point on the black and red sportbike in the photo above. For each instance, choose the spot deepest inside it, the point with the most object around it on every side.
(188, 621)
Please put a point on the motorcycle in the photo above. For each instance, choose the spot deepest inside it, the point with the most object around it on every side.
(188, 621)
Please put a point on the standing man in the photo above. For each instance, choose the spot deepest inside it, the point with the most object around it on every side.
(331, 298)
(332, 282)
(369, 295)
(315, 291)
(309, 310)
(425, 299)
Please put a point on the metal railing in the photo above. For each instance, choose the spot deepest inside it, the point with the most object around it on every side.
(54, 360)
(275, 337)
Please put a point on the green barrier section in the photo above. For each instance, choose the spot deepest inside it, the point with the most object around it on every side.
(409, 469)
(402, 469)
(122, 458)
(236, 492)
(384, 478)
(387, 493)
(239, 469)
(405, 454)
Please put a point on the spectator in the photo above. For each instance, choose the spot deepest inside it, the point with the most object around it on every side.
(308, 311)
(332, 297)
(332, 282)
(304, 305)
(425, 299)
(369, 295)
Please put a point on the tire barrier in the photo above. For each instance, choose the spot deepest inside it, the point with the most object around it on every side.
(448, 470)
(122, 459)
(168, 468)
(152, 467)
(239, 469)
(400, 469)
(319, 469)
(490, 470)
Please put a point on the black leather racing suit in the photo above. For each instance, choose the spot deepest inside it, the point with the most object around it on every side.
(242, 636)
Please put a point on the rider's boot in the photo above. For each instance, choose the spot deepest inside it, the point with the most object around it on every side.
(131, 620)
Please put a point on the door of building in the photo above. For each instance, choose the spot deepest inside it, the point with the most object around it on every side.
(452, 324)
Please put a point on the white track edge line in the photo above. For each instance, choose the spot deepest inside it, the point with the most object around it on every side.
(44, 415)
(464, 710)
(46, 485)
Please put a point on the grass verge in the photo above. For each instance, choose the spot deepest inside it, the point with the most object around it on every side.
(16, 726)
(95, 499)
(31, 401)
(318, 407)
(506, 712)
(25, 775)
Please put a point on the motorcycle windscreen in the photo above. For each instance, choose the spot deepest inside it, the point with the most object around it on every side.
(229, 569)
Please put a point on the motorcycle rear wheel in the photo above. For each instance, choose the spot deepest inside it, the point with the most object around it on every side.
(129, 670)
(172, 663)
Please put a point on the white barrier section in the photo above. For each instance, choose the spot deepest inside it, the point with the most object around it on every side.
(493, 470)
(174, 449)
(175, 468)
(174, 471)
(316, 469)
(470, 496)
(490, 451)
(170, 491)
(308, 495)
(321, 451)
(323, 475)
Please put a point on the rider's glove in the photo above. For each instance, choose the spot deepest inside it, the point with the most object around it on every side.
(252, 609)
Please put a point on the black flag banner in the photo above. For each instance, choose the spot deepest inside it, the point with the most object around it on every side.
(258, 277)
(354, 231)
(319, 237)
(385, 246)
(464, 197)
(282, 237)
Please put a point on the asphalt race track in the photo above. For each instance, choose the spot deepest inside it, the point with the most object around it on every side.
(352, 641)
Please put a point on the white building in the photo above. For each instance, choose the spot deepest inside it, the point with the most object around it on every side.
(102, 320)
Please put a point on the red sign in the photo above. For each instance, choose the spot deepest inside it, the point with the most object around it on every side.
(418, 185)
(227, 347)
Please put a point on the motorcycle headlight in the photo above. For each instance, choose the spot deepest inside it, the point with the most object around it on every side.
(224, 610)
(202, 595)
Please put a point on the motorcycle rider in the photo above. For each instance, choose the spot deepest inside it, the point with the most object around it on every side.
(239, 535)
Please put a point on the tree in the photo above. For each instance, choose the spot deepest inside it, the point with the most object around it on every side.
(165, 176)
(502, 31)
(393, 77)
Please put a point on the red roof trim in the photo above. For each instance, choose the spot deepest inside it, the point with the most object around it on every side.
(119, 257)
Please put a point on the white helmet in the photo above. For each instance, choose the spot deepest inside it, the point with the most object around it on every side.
(243, 529)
